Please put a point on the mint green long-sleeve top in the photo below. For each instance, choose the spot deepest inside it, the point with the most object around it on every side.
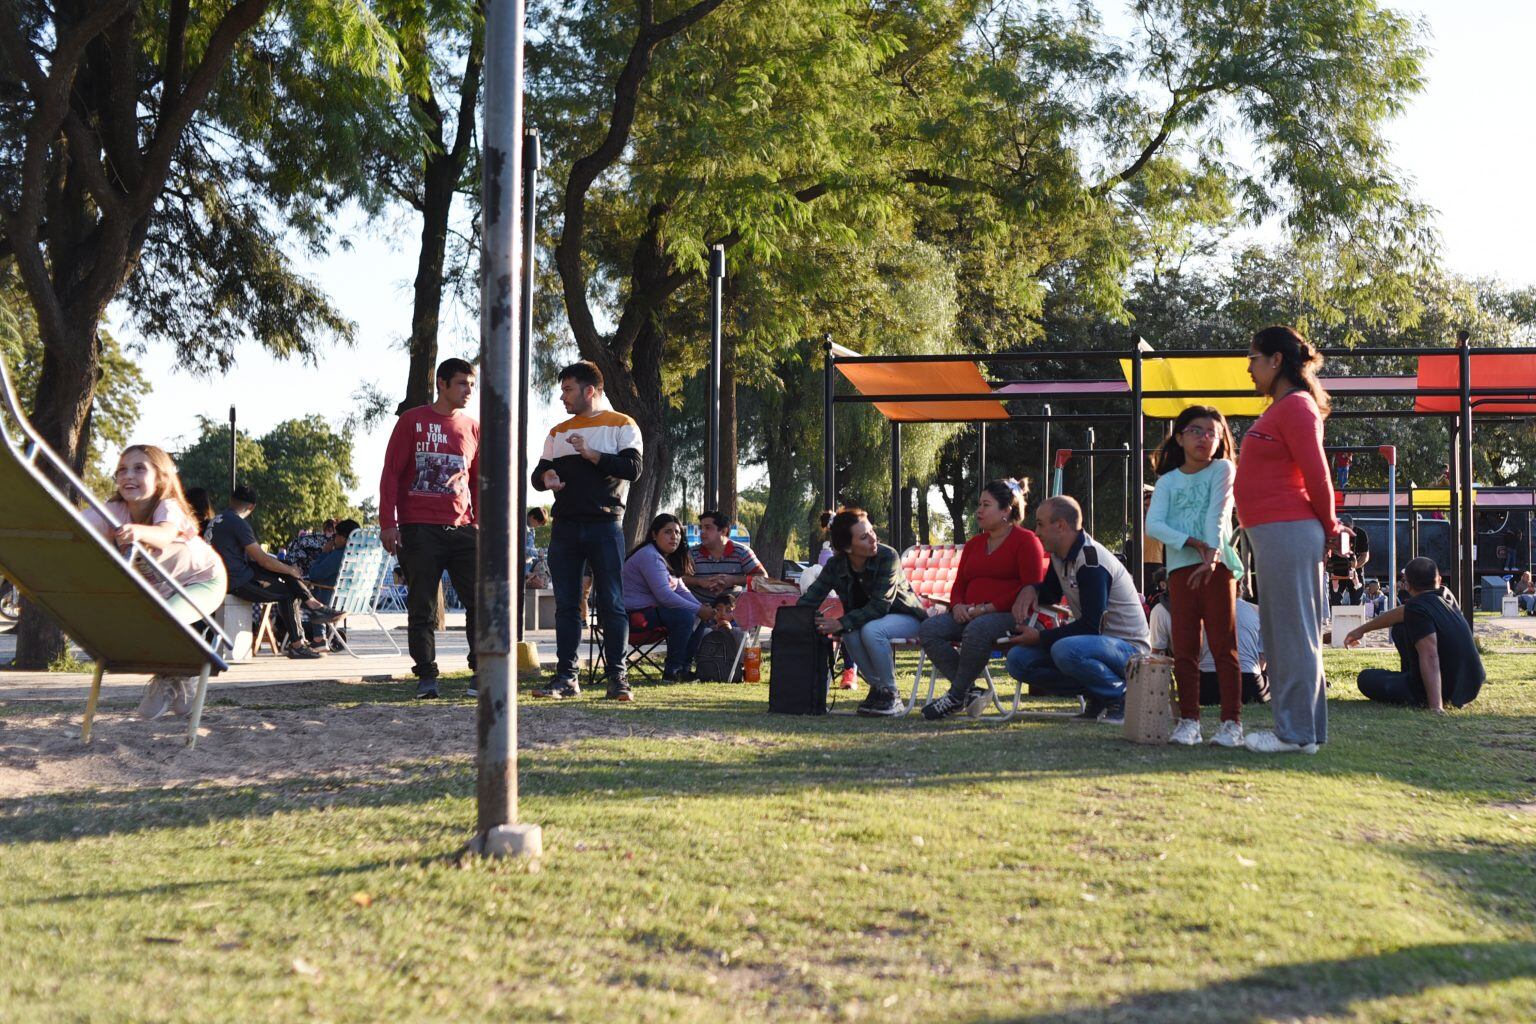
(1198, 505)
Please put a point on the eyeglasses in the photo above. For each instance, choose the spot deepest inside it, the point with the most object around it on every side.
(1201, 432)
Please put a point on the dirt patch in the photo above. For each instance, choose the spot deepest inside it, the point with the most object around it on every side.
(42, 754)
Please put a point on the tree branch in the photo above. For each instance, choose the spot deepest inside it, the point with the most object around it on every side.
(469, 93)
(175, 51)
(175, 114)
(1181, 99)
(585, 171)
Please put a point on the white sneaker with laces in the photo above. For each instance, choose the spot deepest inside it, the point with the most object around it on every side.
(156, 700)
(1186, 733)
(1266, 742)
(976, 704)
(1228, 734)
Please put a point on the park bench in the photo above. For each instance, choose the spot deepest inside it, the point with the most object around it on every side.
(104, 599)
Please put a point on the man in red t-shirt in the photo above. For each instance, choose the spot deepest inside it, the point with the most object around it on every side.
(427, 512)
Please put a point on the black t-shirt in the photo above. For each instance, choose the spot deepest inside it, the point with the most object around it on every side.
(1461, 669)
(1361, 544)
(232, 534)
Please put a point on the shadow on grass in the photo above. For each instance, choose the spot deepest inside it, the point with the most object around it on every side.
(1493, 878)
(77, 815)
(1316, 990)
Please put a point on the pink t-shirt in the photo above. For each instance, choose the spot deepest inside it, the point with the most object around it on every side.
(188, 561)
(1282, 471)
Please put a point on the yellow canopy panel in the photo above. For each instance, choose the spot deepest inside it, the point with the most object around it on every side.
(1194, 374)
(1431, 498)
(925, 379)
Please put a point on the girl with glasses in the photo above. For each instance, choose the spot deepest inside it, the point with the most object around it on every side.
(1191, 514)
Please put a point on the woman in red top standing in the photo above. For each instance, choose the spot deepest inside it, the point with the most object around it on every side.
(995, 565)
(1285, 503)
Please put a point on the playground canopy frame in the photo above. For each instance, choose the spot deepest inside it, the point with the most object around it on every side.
(1436, 392)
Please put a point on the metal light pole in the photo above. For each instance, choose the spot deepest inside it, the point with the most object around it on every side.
(496, 831)
(233, 464)
(712, 448)
(525, 357)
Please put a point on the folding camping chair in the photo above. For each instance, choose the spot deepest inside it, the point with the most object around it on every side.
(644, 642)
(103, 599)
(364, 566)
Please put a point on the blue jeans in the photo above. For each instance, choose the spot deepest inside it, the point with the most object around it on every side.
(679, 623)
(572, 547)
(870, 647)
(1088, 663)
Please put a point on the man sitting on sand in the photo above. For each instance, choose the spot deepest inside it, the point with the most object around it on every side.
(1439, 659)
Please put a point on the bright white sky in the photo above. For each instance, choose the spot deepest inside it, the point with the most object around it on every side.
(1461, 142)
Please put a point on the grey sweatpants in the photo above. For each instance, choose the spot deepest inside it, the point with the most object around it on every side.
(1288, 558)
(977, 638)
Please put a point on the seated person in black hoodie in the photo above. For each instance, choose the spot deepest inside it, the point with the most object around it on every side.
(1440, 663)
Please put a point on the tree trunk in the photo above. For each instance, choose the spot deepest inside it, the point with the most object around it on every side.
(728, 443)
(441, 181)
(639, 394)
(924, 533)
(954, 500)
(785, 508)
(65, 391)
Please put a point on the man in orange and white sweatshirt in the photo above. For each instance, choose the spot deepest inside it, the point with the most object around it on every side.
(427, 512)
(589, 461)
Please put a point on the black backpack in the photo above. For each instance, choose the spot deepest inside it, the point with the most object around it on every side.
(801, 671)
(717, 651)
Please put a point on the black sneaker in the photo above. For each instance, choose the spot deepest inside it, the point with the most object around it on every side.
(1114, 712)
(326, 615)
(426, 689)
(945, 706)
(302, 652)
(559, 690)
(881, 704)
(685, 676)
(618, 689)
(472, 689)
(1093, 707)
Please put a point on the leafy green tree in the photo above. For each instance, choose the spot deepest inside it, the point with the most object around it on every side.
(123, 385)
(423, 154)
(1033, 150)
(156, 151)
(301, 471)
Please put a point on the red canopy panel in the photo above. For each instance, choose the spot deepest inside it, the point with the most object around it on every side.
(1488, 371)
(925, 379)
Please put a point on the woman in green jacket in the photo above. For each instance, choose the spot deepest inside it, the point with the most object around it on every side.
(878, 605)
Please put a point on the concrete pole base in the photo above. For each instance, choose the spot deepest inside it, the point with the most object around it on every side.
(528, 657)
(523, 842)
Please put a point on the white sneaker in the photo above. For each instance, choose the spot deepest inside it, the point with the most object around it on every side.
(1266, 742)
(1186, 733)
(976, 704)
(184, 691)
(156, 700)
(1228, 734)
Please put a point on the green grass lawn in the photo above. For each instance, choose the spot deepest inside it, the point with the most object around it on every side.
(722, 864)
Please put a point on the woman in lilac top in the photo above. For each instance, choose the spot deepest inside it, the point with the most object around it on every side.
(653, 588)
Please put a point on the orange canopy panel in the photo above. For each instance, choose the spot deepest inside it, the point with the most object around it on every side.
(925, 379)
(1192, 374)
(1488, 371)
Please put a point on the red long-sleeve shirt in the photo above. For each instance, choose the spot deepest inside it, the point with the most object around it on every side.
(1018, 562)
(431, 470)
(1282, 471)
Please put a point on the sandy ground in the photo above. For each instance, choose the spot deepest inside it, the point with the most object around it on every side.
(41, 752)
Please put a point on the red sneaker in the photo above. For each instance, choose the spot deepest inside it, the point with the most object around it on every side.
(850, 676)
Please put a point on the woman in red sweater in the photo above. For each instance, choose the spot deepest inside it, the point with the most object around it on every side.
(1285, 503)
(995, 565)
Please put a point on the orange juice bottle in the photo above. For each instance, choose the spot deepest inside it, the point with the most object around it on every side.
(752, 665)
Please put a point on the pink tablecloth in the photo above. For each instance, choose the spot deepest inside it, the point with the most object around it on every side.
(755, 610)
